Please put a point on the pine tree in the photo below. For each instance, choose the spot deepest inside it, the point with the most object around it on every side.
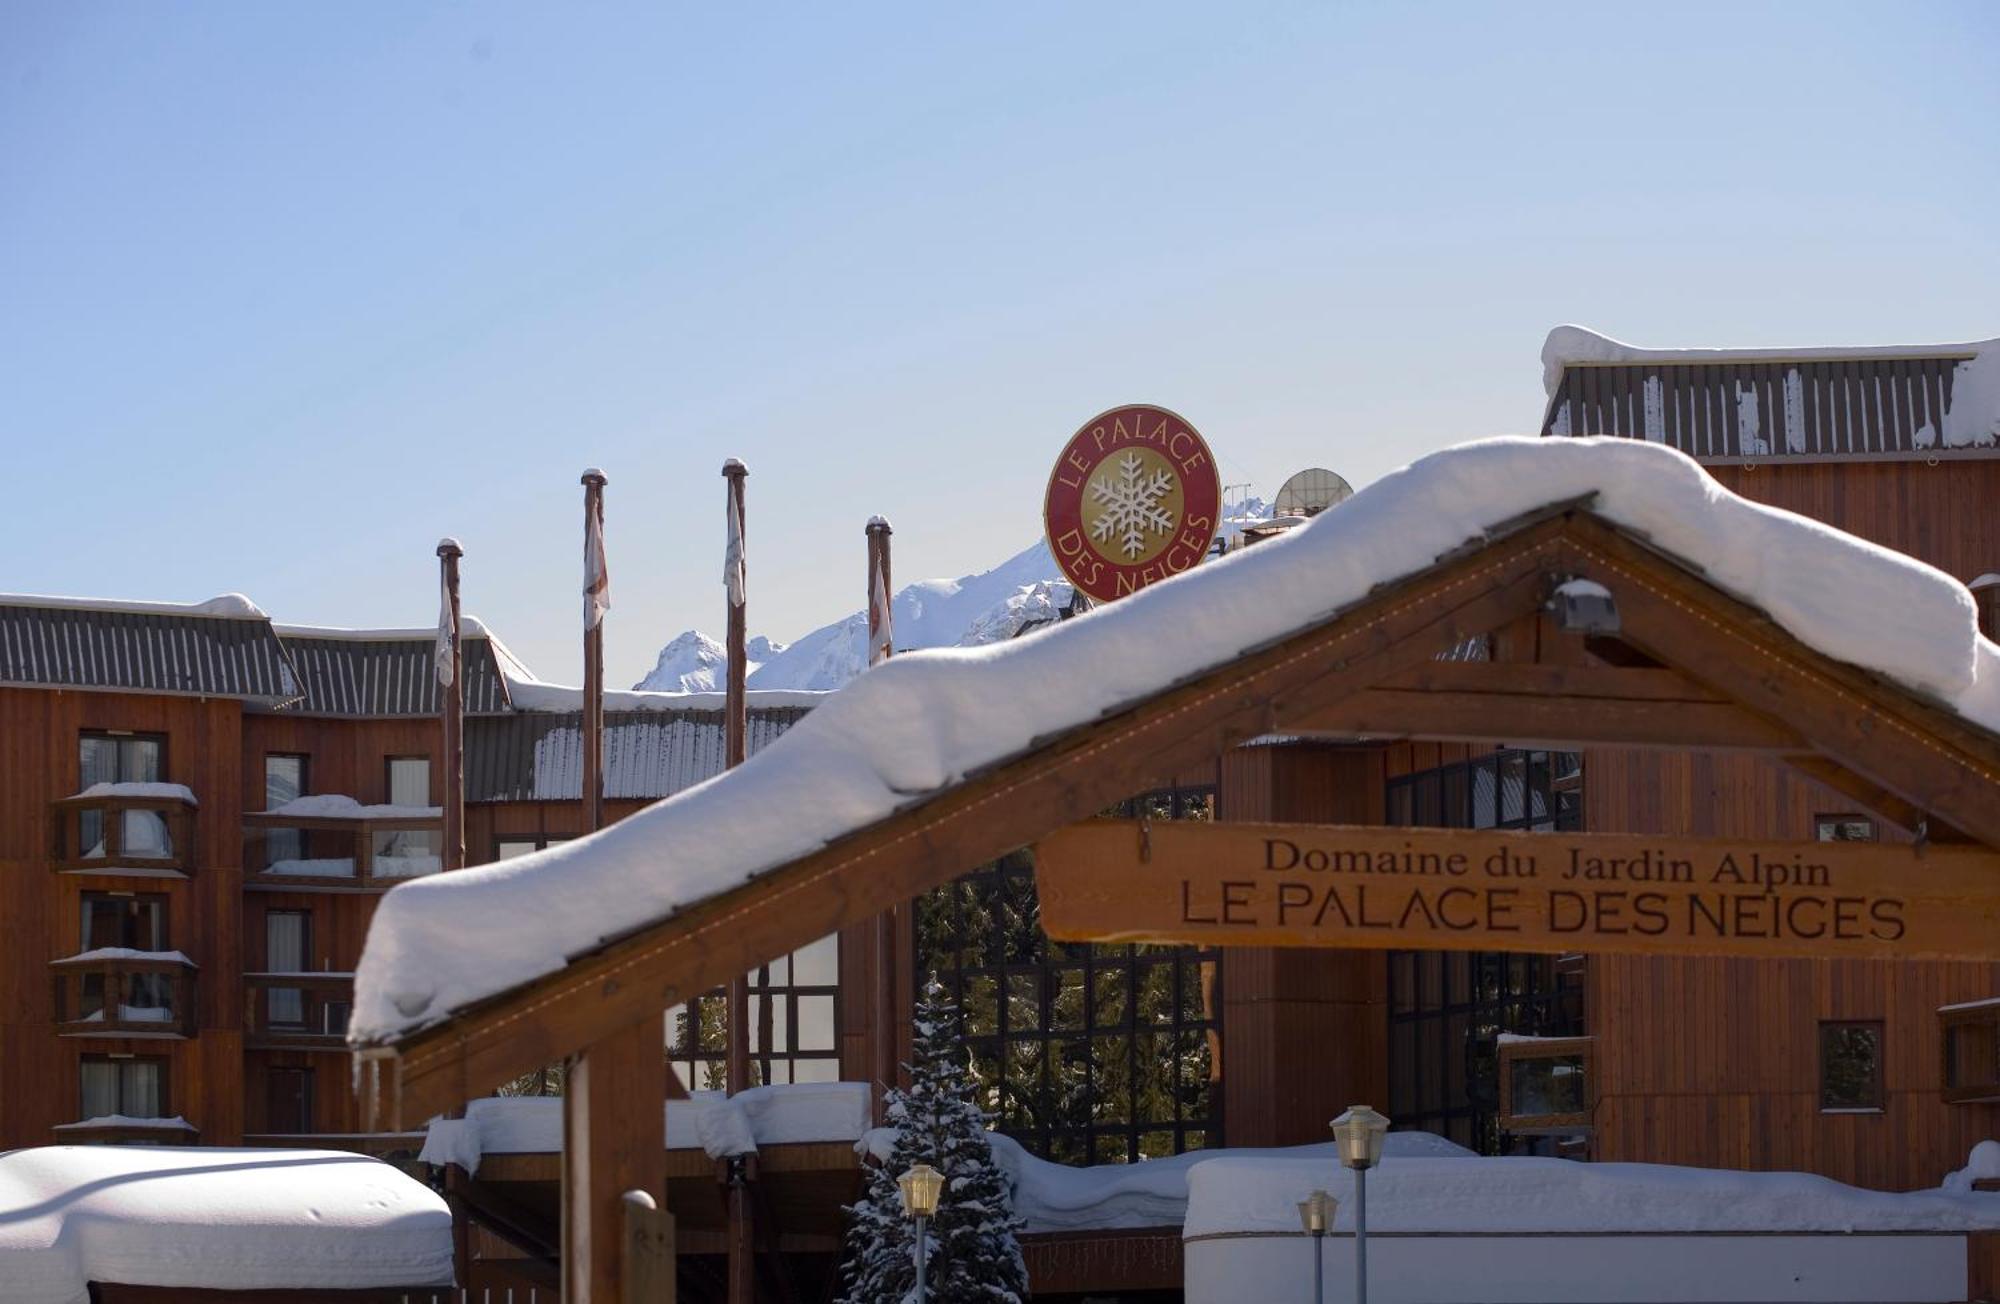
(974, 1257)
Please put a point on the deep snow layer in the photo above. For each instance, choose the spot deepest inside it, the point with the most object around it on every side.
(207, 1217)
(1232, 1194)
(923, 721)
(721, 1125)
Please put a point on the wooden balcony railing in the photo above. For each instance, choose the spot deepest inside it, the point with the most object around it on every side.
(1971, 1052)
(116, 992)
(125, 828)
(297, 1011)
(362, 851)
(1546, 1084)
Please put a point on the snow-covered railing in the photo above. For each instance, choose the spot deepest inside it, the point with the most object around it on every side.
(118, 992)
(123, 1129)
(1971, 1052)
(344, 845)
(297, 1011)
(123, 828)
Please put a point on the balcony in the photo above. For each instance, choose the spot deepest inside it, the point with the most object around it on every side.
(116, 992)
(1971, 1052)
(119, 1130)
(332, 843)
(1545, 1085)
(297, 1011)
(133, 829)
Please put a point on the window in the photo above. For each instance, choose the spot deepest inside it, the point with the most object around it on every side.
(114, 756)
(1545, 1084)
(507, 848)
(287, 944)
(405, 853)
(1850, 1067)
(1085, 1052)
(288, 1101)
(1843, 828)
(1448, 1009)
(134, 920)
(285, 778)
(1971, 1052)
(794, 1024)
(131, 1085)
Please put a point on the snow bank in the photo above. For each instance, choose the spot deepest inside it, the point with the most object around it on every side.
(148, 791)
(1973, 419)
(1519, 1195)
(723, 1126)
(923, 721)
(213, 1218)
(1982, 1165)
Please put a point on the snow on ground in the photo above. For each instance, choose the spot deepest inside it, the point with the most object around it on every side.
(1520, 1194)
(214, 1218)
(723, 1126)
(923, 721)
(1971, 420)
(1052, 1197)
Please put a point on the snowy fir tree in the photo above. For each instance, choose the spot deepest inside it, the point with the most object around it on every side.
(973, 1253)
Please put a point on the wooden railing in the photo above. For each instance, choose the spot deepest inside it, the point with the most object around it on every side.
(122, 833)
(125, 994)
(359, 860)
(297, 1011)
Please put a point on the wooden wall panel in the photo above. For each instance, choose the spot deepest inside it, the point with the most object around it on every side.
(1940, 514)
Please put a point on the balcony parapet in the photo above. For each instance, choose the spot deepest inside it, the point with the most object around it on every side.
(297, 1011)
(118, 992)
(383, 845)
(123, 1130)
(139, 829)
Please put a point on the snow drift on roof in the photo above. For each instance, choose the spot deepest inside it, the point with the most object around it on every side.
(227, 606)
(215, 1218)
(920, 722)
(1568, 345)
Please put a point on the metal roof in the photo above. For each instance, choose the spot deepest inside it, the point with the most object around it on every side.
(647, 754)
(114, 648)
(1866, 407)
(385, 677)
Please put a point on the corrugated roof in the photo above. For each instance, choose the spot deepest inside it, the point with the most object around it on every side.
(383, 677)
(647, 754)
(115, 647)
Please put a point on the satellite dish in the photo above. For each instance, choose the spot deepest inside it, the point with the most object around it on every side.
(1311, 492)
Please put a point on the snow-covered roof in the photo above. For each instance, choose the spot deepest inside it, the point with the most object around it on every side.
(722, 1125)
(533, 695)
(227, 606)
(213, 1218)
(921, 722)
(1570, 345)
(1534, 1195)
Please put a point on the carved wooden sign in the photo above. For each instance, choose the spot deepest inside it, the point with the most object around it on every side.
(1489, 890)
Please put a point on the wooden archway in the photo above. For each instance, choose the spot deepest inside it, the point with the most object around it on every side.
(1690, 668)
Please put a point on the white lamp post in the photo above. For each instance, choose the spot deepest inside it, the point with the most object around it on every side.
(920, 1188)
(1359, 1134)
(1316, 1215)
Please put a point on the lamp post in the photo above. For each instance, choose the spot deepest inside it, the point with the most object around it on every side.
(919, 1188)
(1359, 1134)
(1316, 1215)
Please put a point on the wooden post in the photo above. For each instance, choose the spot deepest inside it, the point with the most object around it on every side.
(649, 1251)
(742, 1260)
(594, 584)
(881, 646)
(453, 710)
(614, 1142)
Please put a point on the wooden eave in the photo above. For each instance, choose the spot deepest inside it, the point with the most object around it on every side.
(1737, 680)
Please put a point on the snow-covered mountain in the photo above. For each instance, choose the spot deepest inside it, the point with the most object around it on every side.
(990, 607)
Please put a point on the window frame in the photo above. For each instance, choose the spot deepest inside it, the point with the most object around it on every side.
(1877, 1089)
(1825, 821)
(1982, 1088)
(163, 1107)
(276, 837)
(389, 775)
(704, 1066)
(1512, 1053)
(163, 900)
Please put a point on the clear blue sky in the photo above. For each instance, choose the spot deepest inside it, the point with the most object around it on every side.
(287, 291)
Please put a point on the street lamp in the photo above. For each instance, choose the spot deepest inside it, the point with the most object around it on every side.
(1358, 1133)
(919, 1188)
(1316, 1215)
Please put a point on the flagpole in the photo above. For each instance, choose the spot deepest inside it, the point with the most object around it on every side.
(596, 599)
(451, 676)
(741, 1262)
(882, 646)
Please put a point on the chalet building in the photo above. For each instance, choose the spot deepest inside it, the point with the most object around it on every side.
(205, 807)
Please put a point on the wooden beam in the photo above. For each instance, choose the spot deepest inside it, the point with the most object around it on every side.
(1560, 722)
(1872, 798)
(614, 1142)
(1056, 782)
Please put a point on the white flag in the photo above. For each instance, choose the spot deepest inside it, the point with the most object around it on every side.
(447, 642)
(881, 619)
(732, 553)
(596, 573)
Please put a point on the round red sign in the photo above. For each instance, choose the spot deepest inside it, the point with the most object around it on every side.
(1135, 497)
